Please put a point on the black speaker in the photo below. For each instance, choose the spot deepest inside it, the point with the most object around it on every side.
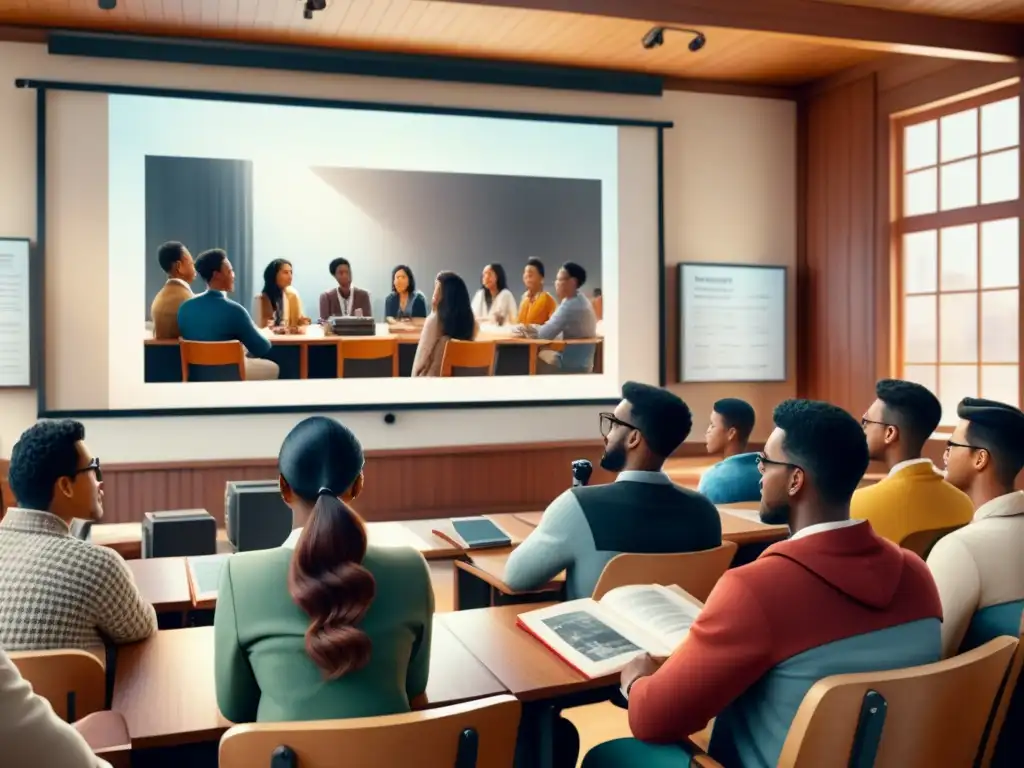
(256, 515)
(181, 533)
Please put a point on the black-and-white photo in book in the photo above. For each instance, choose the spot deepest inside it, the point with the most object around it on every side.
(599, 637)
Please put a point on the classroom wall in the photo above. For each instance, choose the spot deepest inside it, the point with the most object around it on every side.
(730, 195)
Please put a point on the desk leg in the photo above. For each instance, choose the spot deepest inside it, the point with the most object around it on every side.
(470, 592)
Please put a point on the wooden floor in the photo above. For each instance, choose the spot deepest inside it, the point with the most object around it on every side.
(596, 723)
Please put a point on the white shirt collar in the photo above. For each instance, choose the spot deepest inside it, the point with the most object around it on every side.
(1007, 505)
(293, 538)
(640, 476)
(179, 281)
(909, 463)
(810, 530)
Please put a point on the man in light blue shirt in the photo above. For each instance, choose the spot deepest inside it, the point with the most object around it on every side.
(574, 319)
(736, 477)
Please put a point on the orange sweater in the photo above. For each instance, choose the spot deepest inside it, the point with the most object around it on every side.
(538, 311)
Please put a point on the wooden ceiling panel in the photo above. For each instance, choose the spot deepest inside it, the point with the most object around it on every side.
(983, 10)
(471, 30)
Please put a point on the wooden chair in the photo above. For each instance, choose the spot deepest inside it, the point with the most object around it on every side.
(471, 355)
(211, 353)
(921, 542)
(1007, 748)
(696, 572)
(73, 681)
(479, 734)
(368, 349)
(107, 734)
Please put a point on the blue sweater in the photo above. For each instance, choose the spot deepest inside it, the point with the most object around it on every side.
(212, 316)
(732, 480)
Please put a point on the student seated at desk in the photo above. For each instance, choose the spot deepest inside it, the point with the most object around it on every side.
(323, 626)
(979, 568)
(57, 591)
(642, 511)
(177, 264)
(835, 598)
(574, 319)
(278, 305)
(914, 496)
(404, 302)
(736, 477)
(451, 318)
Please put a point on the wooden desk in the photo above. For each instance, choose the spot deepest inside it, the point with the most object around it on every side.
(516, 529)
(480, 583)
(165, 686)
(163, 581)
(528, 669)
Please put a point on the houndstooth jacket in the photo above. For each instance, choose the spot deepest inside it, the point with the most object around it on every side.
(57, 591)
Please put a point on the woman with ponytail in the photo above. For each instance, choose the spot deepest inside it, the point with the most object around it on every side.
(326, 626)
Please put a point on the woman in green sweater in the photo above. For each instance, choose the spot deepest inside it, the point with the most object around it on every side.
(324, 626)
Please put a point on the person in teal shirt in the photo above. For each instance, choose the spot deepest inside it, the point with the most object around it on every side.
(325, 626)
(736, 477)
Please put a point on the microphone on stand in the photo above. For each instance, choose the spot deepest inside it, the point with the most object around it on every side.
(581, 471)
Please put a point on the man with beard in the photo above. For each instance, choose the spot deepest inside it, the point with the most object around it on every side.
(979, 568)
(642, 511)
(835, 598)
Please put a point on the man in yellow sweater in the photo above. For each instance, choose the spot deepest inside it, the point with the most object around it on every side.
(915, 495)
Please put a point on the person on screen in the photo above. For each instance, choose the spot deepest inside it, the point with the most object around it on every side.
(452, 318)
(836, 598)
(537, 305)
(57, 591)
(279, 305)
(574, 319)
(914, 496)
(404, 302)
(979, 569)
(327, 625)
(736, 477)
(494, 302)
(345, 300)
(177, 264)
(212, 316)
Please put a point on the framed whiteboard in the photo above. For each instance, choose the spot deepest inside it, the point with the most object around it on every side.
(732, 323)
(15, 313)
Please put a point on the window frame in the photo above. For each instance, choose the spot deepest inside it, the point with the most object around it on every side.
(980, 213)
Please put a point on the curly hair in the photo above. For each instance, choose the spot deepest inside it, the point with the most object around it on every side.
(44, 453)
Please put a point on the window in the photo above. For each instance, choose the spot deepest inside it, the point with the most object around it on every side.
(957, 239)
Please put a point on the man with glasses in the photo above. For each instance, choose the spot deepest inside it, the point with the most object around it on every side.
(979, 568)
(834, 598)
(914, 496)
(57, 591)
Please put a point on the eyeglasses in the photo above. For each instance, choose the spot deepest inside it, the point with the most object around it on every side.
(763, 462)
(92, 466)
(608, 423)
(951, 444)
(865, 421)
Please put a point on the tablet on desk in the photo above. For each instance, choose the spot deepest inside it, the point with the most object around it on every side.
(478, 533)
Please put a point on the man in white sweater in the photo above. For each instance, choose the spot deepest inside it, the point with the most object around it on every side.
(979, 569)
(31, 733)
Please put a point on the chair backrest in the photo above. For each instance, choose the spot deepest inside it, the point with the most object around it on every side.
(479, 734)
(211, 353)
(921, 542)
(73, 681)
(1004, 746)
(918, 717)
(468, 358)
(696, 572)
(382, 351)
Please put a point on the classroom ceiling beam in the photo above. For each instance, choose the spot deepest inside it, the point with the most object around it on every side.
(841, 25)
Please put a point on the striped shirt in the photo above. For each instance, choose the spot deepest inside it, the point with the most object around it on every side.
(57, 591)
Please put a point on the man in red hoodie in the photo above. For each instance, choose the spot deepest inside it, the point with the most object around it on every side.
(834, 598)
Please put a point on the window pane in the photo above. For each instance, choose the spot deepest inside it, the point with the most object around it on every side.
(955, 383)
(959, 134)
(921, 145)
(920, 262)
(920, 338)
(1000, 253)
(960, 258)
(1000, 176)
(925, 375)
(920, 192)
(1002, 383)
(1000, 312)
(1000, 125)
(958, 328)
(959, 186)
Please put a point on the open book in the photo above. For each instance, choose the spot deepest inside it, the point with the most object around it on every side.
(599, 638)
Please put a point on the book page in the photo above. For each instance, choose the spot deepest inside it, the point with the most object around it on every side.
(659, 611)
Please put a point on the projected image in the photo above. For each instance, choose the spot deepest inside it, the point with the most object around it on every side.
(268, 268)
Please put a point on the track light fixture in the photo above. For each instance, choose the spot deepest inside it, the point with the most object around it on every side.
(656, 37)
(311, 6)
(107, 5)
